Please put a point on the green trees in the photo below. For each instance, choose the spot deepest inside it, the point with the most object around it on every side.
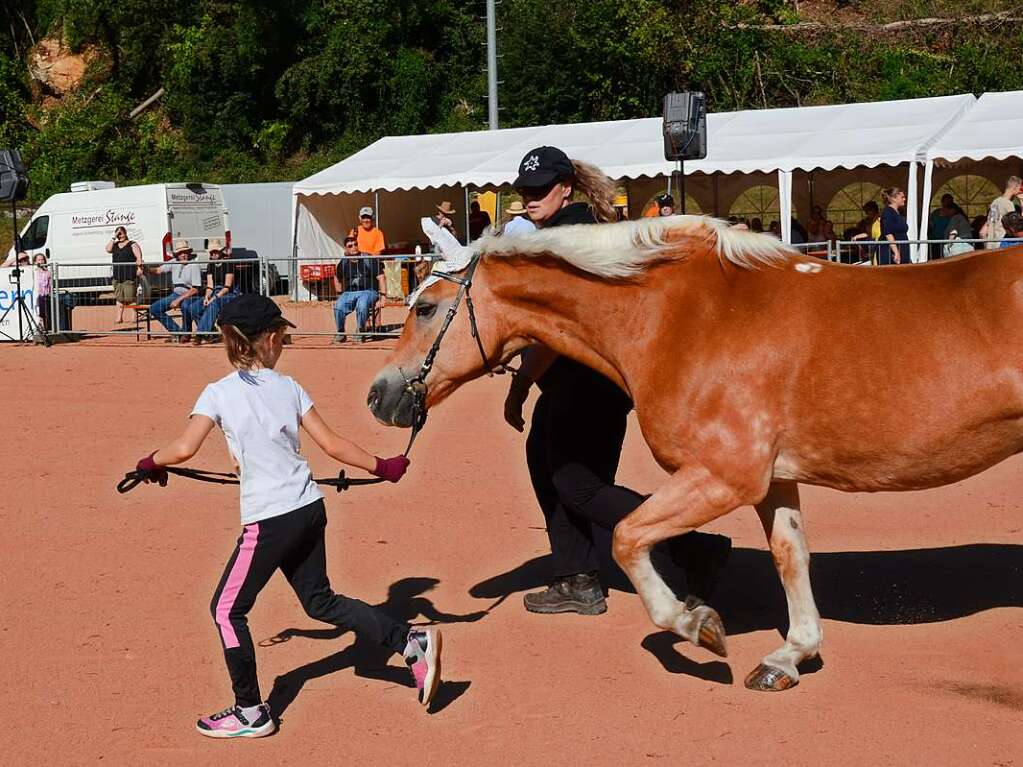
(271, 89)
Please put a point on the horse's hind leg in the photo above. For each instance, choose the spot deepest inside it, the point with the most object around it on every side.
(689, 499)
(783, 524)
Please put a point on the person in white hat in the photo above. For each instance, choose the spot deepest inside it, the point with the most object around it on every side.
(518, 221)
(186, 278)
(370, 236)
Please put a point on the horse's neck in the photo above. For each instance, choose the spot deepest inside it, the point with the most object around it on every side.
(541, 301)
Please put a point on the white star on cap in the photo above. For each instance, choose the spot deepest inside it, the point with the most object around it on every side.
(532, 163)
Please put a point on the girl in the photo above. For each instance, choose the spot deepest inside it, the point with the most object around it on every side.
(42, 291)
(283, 517)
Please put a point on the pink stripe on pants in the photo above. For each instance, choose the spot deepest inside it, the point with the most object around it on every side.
(234, 584)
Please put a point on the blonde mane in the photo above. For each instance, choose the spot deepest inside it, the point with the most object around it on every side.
(625, 248)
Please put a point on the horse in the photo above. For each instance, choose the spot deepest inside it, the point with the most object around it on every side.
(752, 368)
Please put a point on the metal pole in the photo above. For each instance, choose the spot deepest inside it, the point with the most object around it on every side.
(492, 63)
(466, 188)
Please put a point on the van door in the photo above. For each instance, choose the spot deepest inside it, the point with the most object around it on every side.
(197, 214)
(33, 239)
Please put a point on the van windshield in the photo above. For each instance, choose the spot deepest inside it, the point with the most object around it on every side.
(35, 235)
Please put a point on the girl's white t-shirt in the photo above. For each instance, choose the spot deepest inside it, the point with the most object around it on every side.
(260, 412)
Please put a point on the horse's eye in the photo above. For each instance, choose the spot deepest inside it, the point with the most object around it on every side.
(425, 310)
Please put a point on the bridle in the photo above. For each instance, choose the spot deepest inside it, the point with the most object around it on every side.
(416, 386)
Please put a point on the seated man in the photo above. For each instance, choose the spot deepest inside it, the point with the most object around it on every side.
(360, 282)
(186, 278)
(220, 290)
(1012, 223)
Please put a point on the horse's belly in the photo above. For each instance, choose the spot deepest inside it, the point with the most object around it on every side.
(906, 468)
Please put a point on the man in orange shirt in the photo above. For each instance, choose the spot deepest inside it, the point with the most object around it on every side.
(371, 239)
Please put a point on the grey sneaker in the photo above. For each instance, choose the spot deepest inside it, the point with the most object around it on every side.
(340, 338)
(422, 656)
(572, 594)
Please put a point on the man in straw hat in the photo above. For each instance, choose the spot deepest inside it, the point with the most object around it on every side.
(518, 221)
(186, 278)
(445, 217)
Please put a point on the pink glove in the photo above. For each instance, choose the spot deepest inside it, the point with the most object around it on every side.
(391, 469)
(153, 471)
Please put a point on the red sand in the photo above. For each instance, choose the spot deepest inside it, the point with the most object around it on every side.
(109, 652)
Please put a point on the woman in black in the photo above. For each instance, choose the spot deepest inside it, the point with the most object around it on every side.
(127, 257)
(894, 229)
(579, 421)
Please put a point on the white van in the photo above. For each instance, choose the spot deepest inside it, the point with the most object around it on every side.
(74, 228)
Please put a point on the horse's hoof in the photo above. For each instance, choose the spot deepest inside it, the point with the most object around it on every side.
(712, 633)
(769, 679)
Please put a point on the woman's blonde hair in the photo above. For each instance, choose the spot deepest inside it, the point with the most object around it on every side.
(598, 187)
(890, 193)
(246, 353)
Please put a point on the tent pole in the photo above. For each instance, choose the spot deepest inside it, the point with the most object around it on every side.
(925, 212)
(376, 206)
(466, 188)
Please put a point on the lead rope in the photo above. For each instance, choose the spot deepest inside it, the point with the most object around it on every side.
(415, 386)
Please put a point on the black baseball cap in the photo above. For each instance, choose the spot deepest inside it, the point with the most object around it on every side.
(543, 166)
(666, 199)
(251, 314)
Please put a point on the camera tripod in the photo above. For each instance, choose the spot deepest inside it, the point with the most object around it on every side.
(26, 317)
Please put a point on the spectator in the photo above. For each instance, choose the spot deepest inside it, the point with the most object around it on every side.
(665, 205)
(993, 231)
(894, 229)
(127, 257)
(978, 224)
(756, 225)
(775, 228)
(479, 221)
(798, 233)
(815, 227)
(359, 282)
(186, 278)
(371, 239)
(518, 221)
(958, 229)
(870, 224)
(221, 289)
(21, 259)
(444, 217)
(43, 282)
(1012, 224)
(937, 224)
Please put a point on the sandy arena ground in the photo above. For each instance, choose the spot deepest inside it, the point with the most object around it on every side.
(109, 651)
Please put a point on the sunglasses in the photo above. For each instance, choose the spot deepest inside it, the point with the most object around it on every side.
(351, 244)
(536, 192)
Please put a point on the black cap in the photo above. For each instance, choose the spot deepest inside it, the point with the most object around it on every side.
(251, 314)
(666, 199)
(543, 166)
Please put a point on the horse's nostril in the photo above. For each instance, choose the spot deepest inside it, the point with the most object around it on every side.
(373, 400)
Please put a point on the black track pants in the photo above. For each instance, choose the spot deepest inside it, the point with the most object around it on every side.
(292, 542)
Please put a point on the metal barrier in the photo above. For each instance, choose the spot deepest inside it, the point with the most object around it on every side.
(865, 252)
(82, 299)
(316, 299)
(83, 303)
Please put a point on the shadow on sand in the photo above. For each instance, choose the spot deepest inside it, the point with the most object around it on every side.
(871, 587)
(367, 659)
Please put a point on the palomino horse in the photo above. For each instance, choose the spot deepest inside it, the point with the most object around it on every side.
(752, 368)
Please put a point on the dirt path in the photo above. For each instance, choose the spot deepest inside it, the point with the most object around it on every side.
(109, 653)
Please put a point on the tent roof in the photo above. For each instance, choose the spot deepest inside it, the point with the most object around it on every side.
(993, 128)
(765, 140)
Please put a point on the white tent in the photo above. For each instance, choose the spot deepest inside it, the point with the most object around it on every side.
(754, 141)
(992, 129)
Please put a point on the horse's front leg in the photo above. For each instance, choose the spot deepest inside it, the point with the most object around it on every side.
(692, 497)
(783, 524)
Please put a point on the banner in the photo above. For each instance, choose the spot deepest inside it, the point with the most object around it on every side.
(9, 309)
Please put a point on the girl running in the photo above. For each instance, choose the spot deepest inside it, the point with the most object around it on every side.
(283, 517)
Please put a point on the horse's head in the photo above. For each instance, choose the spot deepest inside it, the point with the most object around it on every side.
(457, 359)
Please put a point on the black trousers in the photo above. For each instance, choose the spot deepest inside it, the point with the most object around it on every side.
(294, 543)
(573, 425)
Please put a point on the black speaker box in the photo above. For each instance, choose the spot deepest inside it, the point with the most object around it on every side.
(685, 126)
(13, 178)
